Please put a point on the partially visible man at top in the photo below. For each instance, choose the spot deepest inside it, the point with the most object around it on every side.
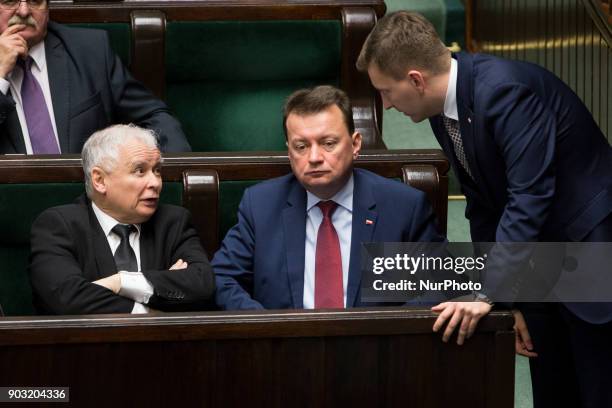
(298, 238)
(60, 84)
(117, 250)
(533, 166)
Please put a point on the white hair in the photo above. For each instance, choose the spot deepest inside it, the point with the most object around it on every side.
(101, 149)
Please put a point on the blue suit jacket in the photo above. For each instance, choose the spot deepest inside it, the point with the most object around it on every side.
(542, 167)
(264, 253)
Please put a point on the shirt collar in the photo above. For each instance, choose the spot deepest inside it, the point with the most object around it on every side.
(37, 53)
(450, 103)
(344, 197)
(106, 221)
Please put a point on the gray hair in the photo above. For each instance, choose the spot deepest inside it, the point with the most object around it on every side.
(101, 149)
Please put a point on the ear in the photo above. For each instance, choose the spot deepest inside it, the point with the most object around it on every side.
(99, 180)
(417, 80)
(356, 144)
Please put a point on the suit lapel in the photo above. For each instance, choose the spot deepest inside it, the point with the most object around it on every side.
(442, 136)
(294, 228)
(104, 257)
(465, 101)
(364, 224)
(59, 84)
(14, 130)
(147, 245)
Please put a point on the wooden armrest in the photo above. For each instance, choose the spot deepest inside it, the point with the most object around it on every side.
(201, 197)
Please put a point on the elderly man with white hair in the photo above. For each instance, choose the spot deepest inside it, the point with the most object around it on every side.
(117, 250)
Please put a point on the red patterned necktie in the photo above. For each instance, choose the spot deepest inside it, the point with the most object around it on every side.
(328, 262)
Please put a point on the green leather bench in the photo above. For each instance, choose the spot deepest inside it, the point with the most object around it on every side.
(226, 68)
(28, 190)
(30, 185)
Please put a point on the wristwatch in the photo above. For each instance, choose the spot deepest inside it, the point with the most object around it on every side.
(481, 297)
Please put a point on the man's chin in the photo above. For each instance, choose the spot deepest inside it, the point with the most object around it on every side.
(143, 215)
(324, 190)
(31, 36)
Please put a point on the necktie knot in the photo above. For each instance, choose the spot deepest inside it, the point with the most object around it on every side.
(327, 208)
(25, 63)
(123, 231)
(450, 124)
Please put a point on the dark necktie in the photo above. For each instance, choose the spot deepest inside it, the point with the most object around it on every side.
(328, 262)
(452, 128)
(125, 259)
(36, 113)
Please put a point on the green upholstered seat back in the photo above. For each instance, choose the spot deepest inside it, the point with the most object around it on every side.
(230, 194)
(119, 35)
(20, 204)
(226, 81)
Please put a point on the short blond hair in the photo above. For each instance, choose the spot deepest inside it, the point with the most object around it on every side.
(400, 41)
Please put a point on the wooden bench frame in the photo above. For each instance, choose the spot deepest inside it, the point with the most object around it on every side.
(200, 174)
(325, 358)
(148, 19)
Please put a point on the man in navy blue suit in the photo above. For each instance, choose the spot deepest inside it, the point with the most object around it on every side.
(533, 166)
(297, 241)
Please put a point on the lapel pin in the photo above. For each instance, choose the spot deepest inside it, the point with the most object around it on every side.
(469, 120)
(369, 222)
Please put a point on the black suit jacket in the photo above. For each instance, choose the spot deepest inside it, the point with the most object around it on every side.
(69, 251)
(91, 89)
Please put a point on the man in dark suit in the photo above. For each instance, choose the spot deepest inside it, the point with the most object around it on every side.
(298, 238)
(117, 250)
(59, 84)
(533, 165)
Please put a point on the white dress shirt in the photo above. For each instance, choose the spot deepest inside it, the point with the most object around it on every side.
(133, 283)
(450, 103)
(13, 83)
(342, 219)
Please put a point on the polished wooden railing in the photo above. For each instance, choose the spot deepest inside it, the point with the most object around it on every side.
(384, 357)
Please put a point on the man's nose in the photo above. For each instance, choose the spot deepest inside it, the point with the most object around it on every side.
(23, 10)
(155, 180)
(315, 154)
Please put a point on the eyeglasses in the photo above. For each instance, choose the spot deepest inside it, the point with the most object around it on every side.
(14, 4)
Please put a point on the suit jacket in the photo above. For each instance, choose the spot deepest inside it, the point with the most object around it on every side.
(542, 168)
(90, 90)
(70, 250)
(265, 250)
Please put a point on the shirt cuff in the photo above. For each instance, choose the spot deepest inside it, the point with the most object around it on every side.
(4, 86)
(135, 286)
(139, 308)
